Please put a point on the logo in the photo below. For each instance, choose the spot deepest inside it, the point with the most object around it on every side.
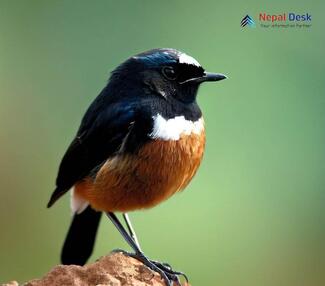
(284, 17)
(247, 21)
(285, 20)
(279, 20)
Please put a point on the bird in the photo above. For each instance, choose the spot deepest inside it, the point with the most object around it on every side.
(140, 142)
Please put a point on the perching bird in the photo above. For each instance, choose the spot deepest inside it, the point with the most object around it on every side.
(140, 142)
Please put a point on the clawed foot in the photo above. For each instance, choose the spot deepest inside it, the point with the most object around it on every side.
(164, 269)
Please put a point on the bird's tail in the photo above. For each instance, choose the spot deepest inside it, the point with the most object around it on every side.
(81, 236)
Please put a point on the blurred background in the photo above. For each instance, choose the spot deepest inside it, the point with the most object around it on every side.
(253, 215)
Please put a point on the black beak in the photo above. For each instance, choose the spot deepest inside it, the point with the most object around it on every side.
(208, 76)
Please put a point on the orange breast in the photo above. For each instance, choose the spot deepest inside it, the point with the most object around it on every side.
(129, 182)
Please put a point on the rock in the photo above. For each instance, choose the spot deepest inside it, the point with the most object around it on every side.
(115, 269)
(11, 283)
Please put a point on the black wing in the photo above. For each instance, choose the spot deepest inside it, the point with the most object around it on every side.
(100, 136)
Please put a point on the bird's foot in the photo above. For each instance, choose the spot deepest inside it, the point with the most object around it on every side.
(164, 269)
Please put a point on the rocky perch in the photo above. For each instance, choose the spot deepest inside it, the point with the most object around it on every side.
(115, 269)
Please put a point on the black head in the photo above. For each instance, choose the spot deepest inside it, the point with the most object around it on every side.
(169, 73)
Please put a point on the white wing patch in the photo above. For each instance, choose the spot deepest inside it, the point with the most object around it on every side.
(186, 59)
(173, 128)
(77, 204)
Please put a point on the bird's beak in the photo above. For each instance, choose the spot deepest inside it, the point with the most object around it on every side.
(208, 76)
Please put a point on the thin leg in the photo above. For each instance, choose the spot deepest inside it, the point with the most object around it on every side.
(166, 273)
(131, 229)
(123, 232)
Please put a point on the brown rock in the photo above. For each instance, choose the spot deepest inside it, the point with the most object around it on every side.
(11, 283)
(115, 269)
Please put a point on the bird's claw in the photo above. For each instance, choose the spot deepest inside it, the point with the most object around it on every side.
(164, 269)
(167, 268)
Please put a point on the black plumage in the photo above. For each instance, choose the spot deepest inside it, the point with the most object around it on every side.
(131, 98)
(120, 121)
(81, 236)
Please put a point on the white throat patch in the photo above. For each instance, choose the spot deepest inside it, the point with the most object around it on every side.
(173, 128)
(186, 59)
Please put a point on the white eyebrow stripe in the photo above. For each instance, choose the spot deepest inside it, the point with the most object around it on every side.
(186, 59)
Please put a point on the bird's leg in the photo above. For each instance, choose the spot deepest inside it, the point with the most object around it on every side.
(138, 253)
(135, 238)
(131, 229)
(166, 273)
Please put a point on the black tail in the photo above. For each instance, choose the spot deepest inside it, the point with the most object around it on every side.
(81, 236)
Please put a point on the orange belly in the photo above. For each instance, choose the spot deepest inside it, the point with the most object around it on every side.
(129, 182)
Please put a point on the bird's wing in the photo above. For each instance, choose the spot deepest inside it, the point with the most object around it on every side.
(100, 136)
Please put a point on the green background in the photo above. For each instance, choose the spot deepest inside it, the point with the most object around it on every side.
(253, 215)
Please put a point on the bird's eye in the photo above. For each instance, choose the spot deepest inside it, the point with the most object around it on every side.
(169, 73)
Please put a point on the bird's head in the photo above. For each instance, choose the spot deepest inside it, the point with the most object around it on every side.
(168, 73)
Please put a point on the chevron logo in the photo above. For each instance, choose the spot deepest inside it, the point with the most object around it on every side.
(247, 21)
